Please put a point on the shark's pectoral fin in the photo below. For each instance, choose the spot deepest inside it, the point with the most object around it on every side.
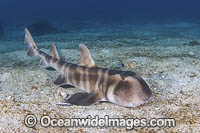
(61, 80)
(67, 86)
(85, 57)
(84, 99)
(50, 69)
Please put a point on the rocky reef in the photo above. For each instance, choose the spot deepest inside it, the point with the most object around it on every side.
(41, 27)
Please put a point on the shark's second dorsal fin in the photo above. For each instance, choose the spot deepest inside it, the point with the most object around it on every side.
(85, 57)
(54, 52)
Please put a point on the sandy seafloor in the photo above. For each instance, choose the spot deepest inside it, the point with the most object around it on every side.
(163, 55)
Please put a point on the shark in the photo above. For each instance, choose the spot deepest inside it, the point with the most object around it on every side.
(125, 88)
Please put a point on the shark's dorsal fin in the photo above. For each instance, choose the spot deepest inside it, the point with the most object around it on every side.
(54, 52)
(85, 57)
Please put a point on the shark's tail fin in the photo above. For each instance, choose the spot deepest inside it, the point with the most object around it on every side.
(32, 47)
(33, 50)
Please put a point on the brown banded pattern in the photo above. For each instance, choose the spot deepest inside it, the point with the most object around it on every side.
(120, 87)
(84, 77)
(92, 78)
(77, 75)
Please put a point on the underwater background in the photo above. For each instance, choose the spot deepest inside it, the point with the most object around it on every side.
(77, 15)
(158, 39)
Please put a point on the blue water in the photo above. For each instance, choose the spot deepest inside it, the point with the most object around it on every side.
(14, 11)
(100, 19)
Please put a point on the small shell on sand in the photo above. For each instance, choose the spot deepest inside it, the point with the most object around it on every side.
(34, 88)
(130, 65)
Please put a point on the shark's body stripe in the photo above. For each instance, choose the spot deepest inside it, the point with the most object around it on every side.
(67, 73)
(92, 78)
(81, 83)
(87, 84)
(105, 80)
(84, 78)
(71, 72)
(77, 76)
(102, 79)
(44, 56)
(60, 64)
(99, 76)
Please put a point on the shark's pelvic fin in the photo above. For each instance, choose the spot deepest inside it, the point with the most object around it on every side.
(32, 47)
(61, 80)
(85, 57)
(84, 99)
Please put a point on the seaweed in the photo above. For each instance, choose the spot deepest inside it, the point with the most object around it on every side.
(42, 27)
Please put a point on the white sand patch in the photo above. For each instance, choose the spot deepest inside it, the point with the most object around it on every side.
(173, 80)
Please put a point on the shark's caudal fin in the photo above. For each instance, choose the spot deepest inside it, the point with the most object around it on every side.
(32, 47)
(33, 50)
(85, 57)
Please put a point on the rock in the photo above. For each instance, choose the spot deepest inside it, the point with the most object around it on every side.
(41, 28)
(34, 88)
(10, 98)
(191, 53)
(192, 43)
(131, 65)
(63, 94)
(192, 74)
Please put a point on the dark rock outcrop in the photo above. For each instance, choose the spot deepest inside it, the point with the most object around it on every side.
(192, 43)
(41, 28)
